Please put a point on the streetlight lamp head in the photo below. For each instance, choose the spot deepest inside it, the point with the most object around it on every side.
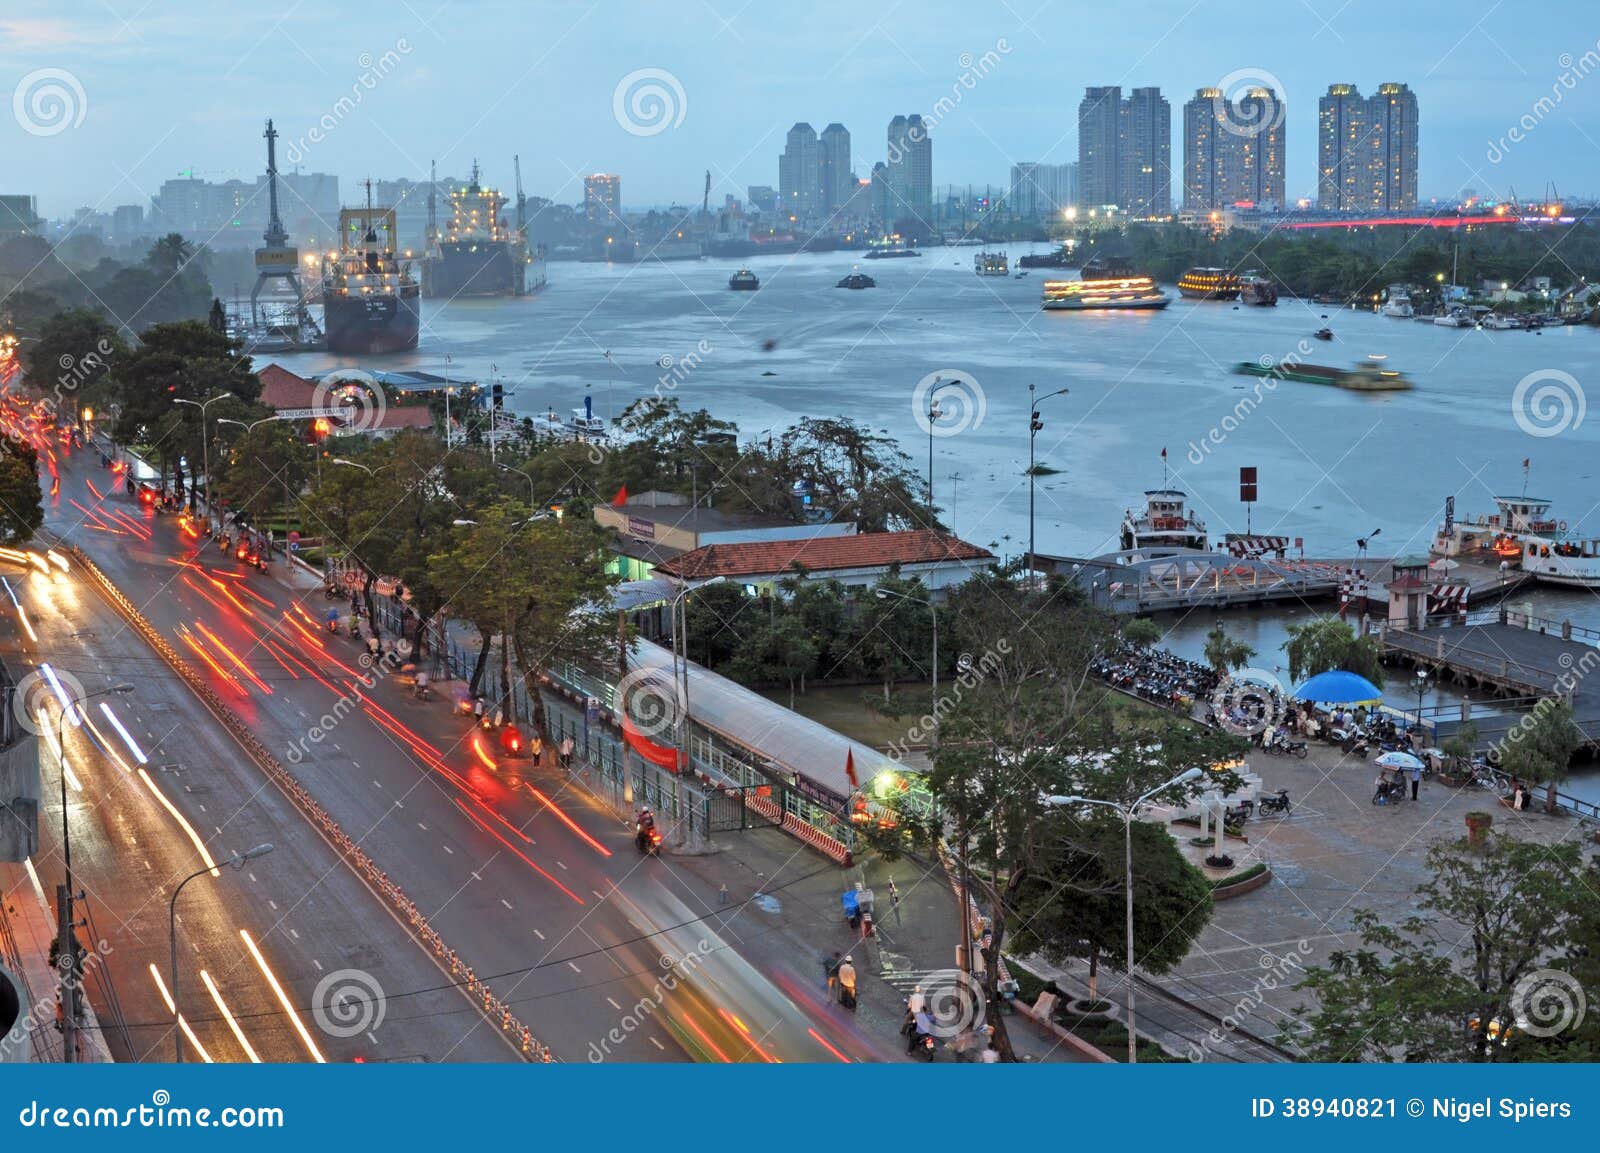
(122, 688)
(881, 594)
(1191, 775)
(716, 580)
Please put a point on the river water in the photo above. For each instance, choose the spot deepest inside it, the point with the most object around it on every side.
(1333, 465)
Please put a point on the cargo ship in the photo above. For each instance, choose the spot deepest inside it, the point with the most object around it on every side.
(1210, 284)
(1370, 375)
(475, 254)
(370, 300)
(1105, 283)
(1060, 258)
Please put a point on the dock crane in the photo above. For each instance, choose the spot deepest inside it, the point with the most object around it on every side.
(705, 198)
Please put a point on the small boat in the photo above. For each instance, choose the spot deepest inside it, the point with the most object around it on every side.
(857, 280)
(1370, 375)
(1323, 334)
(1455, 318)
(1498, 322)
(744, 281)
(1398, 303)
(1021, 274)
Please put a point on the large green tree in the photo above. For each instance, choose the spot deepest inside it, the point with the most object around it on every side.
(1223, 653)
(1445, 983)
(70, 359)
(1326, 642)
(1539, 748)
(1072, 906)
(21, 504)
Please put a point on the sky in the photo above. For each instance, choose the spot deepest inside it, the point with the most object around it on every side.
(111, 97)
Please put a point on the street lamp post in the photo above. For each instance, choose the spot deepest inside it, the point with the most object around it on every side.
(533, 504)
(205, 443)
(237, 861)
(68, 931)
(681, 688)
(351, 464)
(933, 417)
(1127, 812)
(249, 428)
(1422, 684)
(1035, 426)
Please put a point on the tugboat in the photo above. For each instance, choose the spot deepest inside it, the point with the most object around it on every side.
(1259, 291)
(1165, 523)
(744, 281)
(1210, 284)
(1323, 334)
(1060, 258)
(857, 280)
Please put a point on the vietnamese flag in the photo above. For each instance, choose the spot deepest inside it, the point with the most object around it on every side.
(1163, 452)
(850, 768)
(621, 498)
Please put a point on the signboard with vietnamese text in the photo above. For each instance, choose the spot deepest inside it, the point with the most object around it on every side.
(641, 529)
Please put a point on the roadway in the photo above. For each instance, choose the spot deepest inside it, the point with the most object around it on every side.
(148, 809)
(538, 888)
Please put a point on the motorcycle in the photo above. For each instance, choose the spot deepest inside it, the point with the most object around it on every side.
(1357, 744)
(923, 1045)
(648, 840)
(1389, 792)
(1276, 803)
(1281, 746)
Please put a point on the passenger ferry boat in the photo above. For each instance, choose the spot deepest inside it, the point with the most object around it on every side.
(1522, 533)
(988, 263)
(744, 281)
(1106, 282)
(1164, 523)
(890, 248)
(1258, 290)
(1210, 284)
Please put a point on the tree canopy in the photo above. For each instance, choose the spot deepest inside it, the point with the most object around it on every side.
(1326, 642)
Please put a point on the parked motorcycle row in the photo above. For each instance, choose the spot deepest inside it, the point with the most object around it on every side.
(1158, 676)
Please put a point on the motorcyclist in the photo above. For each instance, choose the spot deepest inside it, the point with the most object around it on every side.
(643, 827)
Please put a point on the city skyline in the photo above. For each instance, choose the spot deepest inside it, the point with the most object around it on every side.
(741, 88)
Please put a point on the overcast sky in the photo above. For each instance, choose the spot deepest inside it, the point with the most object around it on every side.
(152, 89)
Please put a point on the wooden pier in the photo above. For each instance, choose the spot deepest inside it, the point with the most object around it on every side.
(1507, 655)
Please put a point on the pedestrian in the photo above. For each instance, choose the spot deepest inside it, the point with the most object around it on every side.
(722, 895)
(1416, 778)
(566, 752)
(847, 983)
(536, 750)
(477, 709)
(830, 970)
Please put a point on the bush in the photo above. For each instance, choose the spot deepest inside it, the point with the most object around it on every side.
(1240, 877)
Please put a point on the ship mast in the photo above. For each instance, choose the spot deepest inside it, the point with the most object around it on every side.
(433, 221)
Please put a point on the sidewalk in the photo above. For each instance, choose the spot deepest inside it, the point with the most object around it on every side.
(28, 925)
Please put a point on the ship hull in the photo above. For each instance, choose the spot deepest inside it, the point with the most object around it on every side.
(1142, 303)
(368, 327)
(470, 268)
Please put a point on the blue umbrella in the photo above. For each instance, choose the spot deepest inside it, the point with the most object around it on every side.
(1337, 687)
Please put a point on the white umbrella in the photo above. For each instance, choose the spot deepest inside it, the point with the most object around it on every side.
(1398, 760)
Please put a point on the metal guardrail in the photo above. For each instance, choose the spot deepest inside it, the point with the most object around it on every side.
(1512, 671)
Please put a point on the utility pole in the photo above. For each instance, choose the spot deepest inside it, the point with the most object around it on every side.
(67, 962)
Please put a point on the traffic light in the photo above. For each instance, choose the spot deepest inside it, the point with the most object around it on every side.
(497, 395)
(1036, 424)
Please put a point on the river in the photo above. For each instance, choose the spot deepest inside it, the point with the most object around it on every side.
(1333, 465)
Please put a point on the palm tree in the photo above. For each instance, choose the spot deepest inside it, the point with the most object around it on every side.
(170, 254)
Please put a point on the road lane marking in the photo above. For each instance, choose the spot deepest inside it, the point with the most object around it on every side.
(505, 902)
(574, 966)
(294, 934)
(538, 934)
(475, 875)
(317, 963)
(614, 1004)
(421, 826)
(449, 850)
(563, 864)
(658, 1044)
(274, 905)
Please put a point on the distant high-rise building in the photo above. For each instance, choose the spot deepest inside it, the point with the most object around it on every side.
(833, 155)
(234, 212)
(1146, 154)
(800, 173)
(1342, 165)
(602, 201)
(1233, 151)
(910, 175)
(127, 223)
(1367, 149)
(762, 197)
(1392, 122)
(18, 216)
(1100, 131)
(1042, 190)
(881, 196)
(1203, 147)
